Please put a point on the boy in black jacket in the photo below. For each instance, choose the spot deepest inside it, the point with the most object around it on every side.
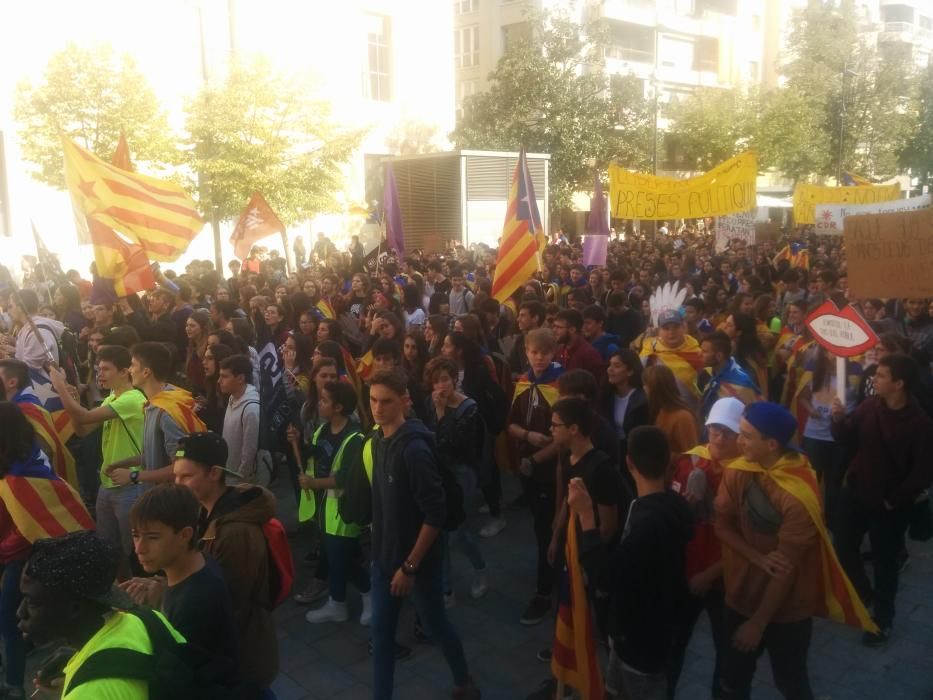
(644, 574)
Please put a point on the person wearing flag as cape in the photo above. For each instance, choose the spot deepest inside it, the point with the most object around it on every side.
(529, 426)
(779, 566)
(727, 377)
(170, 415)
(34, 504)
(672, 346)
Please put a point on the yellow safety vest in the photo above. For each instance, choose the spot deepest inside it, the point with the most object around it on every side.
(368, 454)
(332, 522)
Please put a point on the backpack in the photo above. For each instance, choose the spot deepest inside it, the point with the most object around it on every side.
(174, 671)
(281, 564)
(68, 358)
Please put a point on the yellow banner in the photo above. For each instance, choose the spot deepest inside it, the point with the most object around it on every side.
(808, 197)
(726, 189)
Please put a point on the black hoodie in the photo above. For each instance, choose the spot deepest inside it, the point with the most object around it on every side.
(407, 493)
(644, 576)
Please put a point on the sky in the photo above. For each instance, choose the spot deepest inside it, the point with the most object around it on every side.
(163, 38)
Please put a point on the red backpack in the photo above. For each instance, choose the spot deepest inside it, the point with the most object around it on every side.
(281, 565)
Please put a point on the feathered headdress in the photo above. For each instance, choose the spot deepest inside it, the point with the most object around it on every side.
(667, 297)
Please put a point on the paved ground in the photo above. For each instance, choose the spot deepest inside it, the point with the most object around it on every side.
(330, 661)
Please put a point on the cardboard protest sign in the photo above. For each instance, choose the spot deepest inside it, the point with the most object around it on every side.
(890, 255)
(735, 226)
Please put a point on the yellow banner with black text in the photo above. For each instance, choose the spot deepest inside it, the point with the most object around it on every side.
(726, 189)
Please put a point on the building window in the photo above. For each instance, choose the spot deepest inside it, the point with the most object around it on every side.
(378, 81)
(466, 46)
(898, 13)
(511, 33)
(465, 90)
(465, 7)
(630, 42)
(706, 54)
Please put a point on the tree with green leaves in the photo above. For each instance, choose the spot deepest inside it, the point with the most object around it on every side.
(90, 94)
(791, 136)
(550, 94)
(860, 94)
(267, 132)
(631, 141)
(917, 154)
(708, 126)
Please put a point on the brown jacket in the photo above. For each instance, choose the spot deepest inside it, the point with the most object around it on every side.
(232, 534)
(797, 539)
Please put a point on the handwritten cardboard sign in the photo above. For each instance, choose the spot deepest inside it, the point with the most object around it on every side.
(890, 255)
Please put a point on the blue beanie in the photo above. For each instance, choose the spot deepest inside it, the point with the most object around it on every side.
(773, 421)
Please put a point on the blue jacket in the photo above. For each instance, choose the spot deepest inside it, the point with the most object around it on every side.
(606, 344)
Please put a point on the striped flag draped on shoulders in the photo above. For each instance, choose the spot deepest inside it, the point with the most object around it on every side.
(523, 236)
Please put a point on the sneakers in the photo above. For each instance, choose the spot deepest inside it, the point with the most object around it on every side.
(331, 611)
(879, 638)
(450, 600)
(537, 610)
(479, 586)
(493, 527)
(316, 590)
(544, 655)
(367, 615)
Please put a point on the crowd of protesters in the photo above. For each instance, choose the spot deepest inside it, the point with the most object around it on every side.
(671, 406)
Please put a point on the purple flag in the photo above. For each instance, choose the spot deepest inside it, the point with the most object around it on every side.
(393, 214)
(596, 240)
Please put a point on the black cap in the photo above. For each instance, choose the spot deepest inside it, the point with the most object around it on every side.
(81, 564)
(209, 449)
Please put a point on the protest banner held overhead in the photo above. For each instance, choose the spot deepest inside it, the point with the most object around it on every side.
(808, 197)
(890, 255)
(829, 217)
(726, 189)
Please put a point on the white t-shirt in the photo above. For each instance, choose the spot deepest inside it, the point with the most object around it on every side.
(619, 411)
(414, 319)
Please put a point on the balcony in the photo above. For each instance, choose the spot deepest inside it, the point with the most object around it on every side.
(629, 55)
(905, 31)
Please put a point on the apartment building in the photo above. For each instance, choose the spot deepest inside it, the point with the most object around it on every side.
(907, 25)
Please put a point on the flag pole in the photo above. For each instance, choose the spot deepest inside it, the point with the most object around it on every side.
(5, 274)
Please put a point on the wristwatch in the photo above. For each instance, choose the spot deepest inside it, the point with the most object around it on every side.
(134, 477)
(408, 568)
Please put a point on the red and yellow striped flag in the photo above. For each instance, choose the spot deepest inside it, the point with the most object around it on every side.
(523, 236)
(157, 214)
(181, 408)
(573, 658)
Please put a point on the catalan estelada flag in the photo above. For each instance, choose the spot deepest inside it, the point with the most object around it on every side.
(40, 503)
(157, 214)
(573, 657)
(49, 436)
(838, 600)
(796, 254)
(364, 368)
(545, 385)
(523, 236)
(325, 309)
(180, 406)
(684, 361)
(853, 180)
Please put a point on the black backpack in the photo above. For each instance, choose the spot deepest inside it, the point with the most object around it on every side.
(68, 358)
(174, 671)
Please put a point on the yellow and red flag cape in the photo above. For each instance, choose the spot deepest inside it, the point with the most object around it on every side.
(684, 361)
(838, 599)
(63, 462)
(574, 660)
(40, 503)
(326, 309)
(180, 406)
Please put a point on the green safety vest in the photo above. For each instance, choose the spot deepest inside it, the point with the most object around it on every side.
(333, 524)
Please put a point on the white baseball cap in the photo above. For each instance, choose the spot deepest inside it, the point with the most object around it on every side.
(727, 413)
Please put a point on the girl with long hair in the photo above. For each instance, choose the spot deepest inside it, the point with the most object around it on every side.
(197, 328)
(434, 333)
(276, 319)
(623, 402)
(414, 355)
(214, 404)
(411, 305)
(67, 301)
(747, 348)
(297, 360)
(668, 410)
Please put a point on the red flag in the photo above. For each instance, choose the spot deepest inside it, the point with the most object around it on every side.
(256, 222)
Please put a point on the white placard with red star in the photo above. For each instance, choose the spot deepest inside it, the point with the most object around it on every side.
(830, 217)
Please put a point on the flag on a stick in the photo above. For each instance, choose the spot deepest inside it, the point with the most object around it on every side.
(853, 180)
(157, 214)
(256, 222)
(395, 238)
(596, 241)
(522, 236)
(573, 659)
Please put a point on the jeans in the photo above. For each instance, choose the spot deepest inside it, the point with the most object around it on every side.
(829, 461)
(14, 657)
(344, 564)
(886, 531)
(713, 602)
(462, 538)
(787, 643)
(540, 499)
(113, 518)
(428, 597)
(626, 684)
